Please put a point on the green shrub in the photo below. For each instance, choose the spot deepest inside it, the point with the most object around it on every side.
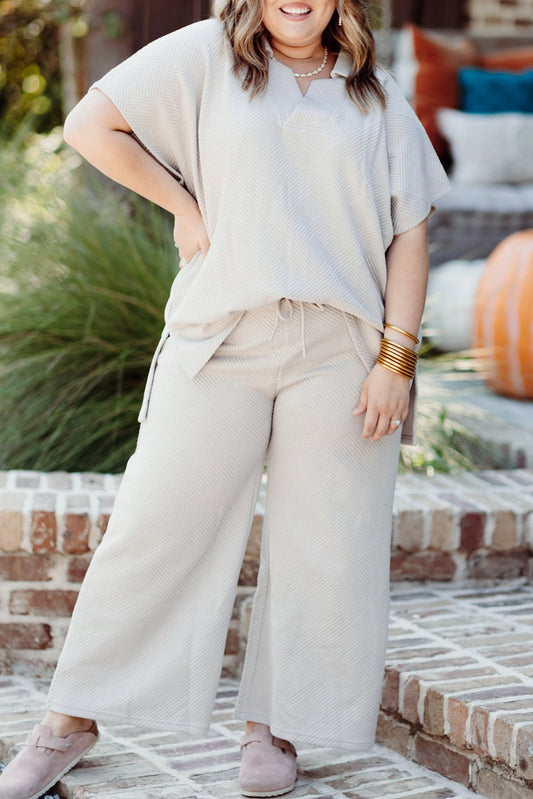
(81, 309)
(84, 276)
(30, 74)
(445, 445)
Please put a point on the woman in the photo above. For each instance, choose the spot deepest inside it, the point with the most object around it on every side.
(300, 181)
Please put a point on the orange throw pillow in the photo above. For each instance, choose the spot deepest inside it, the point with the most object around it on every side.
(436, 82)
(512, 60)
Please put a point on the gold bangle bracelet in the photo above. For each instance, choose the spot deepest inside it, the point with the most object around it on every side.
(404, 351)
(397, 370)
(403, 366)
(408, 374)
(393, 345)
(406, 367)
(400, 354)
(405, 333)
(398, 359)
(408, 355)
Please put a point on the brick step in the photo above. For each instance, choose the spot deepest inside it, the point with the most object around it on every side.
(457, 529)
(132, 763)
(458, 687)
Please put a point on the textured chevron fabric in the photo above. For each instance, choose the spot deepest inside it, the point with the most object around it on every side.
(194, 344)
(146, 640)
(301, 195)
(266, 345)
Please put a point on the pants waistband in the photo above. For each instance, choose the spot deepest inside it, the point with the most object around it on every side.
(288, 304)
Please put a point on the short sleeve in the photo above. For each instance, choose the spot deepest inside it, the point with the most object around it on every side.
(158, 92)
(416, 176)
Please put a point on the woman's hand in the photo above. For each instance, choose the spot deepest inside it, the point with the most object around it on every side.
(384, 396)
(190, 235)
(99, 132)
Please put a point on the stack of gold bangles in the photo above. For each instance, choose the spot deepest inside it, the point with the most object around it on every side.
(398, 359)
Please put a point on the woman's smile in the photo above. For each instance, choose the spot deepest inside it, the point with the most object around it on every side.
(303, 42)
(296, 11)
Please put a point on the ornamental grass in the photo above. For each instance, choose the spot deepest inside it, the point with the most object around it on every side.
(85, 276)
(85, 272)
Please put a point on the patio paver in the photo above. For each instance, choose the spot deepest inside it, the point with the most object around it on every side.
(456, 718)
(132, 763)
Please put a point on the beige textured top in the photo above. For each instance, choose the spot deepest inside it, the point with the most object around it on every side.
(301, 195)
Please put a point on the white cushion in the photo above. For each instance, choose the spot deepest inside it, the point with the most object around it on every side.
(449, 311)
(488, 148)
(499, 198)
(404, 63)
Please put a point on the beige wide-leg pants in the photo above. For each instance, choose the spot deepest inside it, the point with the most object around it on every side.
(146, 640)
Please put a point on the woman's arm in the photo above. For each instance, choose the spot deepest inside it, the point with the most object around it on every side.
(407, 277)
(99, 132)
(385, 395)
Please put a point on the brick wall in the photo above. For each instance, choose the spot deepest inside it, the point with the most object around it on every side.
(465, 528)
(500, 16)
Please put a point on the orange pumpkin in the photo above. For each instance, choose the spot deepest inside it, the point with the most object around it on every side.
(503, 316)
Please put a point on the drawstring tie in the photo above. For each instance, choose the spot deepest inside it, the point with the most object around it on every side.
(280, 315)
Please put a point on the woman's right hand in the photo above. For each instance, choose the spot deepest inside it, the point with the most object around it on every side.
(190, 235)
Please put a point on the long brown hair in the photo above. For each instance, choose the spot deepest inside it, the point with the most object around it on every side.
(243, 22)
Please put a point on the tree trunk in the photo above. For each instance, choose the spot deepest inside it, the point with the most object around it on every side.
(154, 18)
(117, 28)
(429, 14)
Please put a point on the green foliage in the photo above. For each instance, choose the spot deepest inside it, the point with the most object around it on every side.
(376, 17)
(445, 445)
(30, 83)
(81, 310)
(84, 277)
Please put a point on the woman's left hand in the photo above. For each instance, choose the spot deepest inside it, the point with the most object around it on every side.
(384, 397)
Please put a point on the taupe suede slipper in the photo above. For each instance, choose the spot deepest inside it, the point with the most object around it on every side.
(44, 759)
(268, 766)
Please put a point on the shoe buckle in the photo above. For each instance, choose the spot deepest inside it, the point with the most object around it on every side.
(245, 741)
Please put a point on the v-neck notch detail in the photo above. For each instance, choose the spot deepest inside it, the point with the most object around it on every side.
(315, 109)
(290, 73)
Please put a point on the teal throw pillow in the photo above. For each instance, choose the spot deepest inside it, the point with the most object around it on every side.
(485, 91)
